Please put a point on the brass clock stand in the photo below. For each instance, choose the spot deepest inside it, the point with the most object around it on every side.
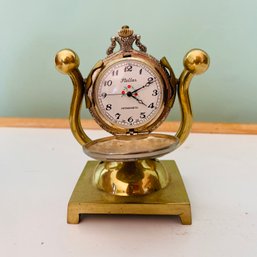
(130, 94)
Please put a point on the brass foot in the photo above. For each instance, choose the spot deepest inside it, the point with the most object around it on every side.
(186, 217)
(73, 214)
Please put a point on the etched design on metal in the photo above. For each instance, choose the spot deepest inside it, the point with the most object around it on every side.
(125, 39)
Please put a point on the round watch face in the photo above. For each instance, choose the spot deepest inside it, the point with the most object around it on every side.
(129, 93)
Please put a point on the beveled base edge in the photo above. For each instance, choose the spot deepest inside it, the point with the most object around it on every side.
(171, 200)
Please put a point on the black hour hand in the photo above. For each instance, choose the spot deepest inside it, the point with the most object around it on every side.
(140, 101)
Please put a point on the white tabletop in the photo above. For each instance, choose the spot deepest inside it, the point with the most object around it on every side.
(39, 169)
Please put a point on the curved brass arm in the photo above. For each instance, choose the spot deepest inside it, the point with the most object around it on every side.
(67, 62)
(196, 62)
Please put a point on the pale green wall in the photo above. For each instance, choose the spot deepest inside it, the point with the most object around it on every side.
(33, 31)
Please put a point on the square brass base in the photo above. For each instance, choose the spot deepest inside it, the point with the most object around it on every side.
(171, 200)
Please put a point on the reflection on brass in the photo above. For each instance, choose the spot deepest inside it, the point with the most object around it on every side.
(170, 200)
(196, 62)
(173, 81)
(67, 62)
(131, 178)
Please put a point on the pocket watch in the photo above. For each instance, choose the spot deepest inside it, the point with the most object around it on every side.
(129, 94)
(132, 92)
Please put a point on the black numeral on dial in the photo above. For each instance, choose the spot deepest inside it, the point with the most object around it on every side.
(103, 95)
(155, 92)
(117, 115)
(151, 105)
(142, 115)
(128, 68)
(150, 80)
(108, 83)
(130, 120)
(115, 73)
(108, 107)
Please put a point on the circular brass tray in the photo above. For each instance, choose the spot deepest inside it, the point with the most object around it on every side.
(131, 147)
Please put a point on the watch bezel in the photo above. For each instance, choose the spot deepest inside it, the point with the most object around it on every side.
(166, 85)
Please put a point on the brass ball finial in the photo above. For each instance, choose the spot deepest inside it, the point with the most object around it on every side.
(196, 61)
(66, 60)
(125, 31)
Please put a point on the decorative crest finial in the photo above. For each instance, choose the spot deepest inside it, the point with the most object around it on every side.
(125, 31)
(126, 38)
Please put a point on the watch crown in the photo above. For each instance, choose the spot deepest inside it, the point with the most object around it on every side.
(125, 31)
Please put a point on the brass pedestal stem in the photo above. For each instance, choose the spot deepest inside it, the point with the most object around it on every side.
(131, 178)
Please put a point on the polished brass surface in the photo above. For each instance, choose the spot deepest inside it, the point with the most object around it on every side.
(196, 62)
(171, 200)
(173, 81)
(131, 178)
(89, 80)
(67, 62)
(131, 147)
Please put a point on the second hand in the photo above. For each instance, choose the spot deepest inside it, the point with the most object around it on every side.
(105, 94)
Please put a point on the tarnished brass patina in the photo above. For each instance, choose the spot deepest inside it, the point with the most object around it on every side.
(128, 166)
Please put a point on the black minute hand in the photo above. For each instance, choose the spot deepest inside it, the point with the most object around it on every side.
(146, 85)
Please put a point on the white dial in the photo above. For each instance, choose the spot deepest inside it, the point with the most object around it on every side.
(129, 93)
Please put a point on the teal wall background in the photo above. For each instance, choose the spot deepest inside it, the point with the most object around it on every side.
(33, 31)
